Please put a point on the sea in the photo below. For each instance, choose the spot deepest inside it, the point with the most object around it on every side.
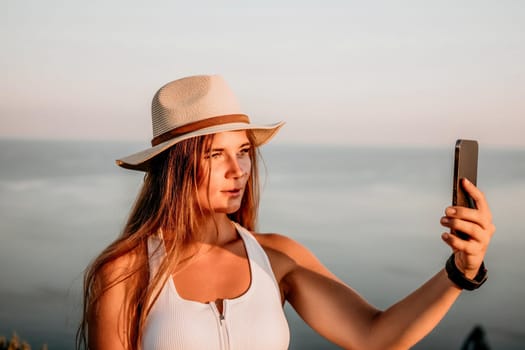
(370, 214)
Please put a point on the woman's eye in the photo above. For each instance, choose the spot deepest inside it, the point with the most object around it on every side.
(212, 155)
(245, 151)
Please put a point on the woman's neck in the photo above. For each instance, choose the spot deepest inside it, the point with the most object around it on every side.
(216, 230)
(212, 232)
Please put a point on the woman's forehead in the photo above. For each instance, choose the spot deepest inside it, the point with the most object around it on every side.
(230, 139)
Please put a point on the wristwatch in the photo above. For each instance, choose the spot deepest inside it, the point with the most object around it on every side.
(459, 278)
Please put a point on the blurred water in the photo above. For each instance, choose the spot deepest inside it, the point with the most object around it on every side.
(371, 215)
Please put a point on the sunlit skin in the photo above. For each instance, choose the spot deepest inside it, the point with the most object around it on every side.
(221, 270)
(218, 263)
(225, 169)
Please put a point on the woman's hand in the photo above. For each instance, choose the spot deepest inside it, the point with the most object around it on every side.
(477, 223)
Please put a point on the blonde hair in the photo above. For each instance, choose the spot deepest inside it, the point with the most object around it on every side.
(167, 202)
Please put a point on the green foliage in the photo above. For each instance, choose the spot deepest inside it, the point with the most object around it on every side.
(15, 343)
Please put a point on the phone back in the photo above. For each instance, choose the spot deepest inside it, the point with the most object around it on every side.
(465, 166)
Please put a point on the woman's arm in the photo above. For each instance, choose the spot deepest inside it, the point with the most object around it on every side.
(341, 315)
(106, 321)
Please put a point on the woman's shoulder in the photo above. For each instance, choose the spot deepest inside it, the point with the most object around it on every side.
(278, 242)
(287, 250)
(116, 269)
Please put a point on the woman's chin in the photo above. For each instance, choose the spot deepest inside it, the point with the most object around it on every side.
(224, 210)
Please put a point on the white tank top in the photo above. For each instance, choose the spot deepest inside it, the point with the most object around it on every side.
(252, 321)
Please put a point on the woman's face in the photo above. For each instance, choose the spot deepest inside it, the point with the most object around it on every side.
(228, 164)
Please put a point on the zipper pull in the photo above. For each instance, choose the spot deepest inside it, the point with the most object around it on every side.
(221, 317)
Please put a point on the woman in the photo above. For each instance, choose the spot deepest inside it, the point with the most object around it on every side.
(189, 272)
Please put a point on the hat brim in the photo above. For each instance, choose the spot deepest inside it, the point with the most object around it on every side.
(140, 160)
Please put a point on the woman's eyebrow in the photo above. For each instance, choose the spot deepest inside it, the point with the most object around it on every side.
(220, 149)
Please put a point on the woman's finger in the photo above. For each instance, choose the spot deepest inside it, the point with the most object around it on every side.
(457, 244)
(472, 229)
(476, 194)
(454, 242)
(484, 219)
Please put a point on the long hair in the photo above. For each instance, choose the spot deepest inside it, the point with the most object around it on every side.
(167, 202)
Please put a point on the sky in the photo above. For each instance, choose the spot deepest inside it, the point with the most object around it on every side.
(407, 73)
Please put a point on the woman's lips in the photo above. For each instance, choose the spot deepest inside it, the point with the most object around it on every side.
(233, 192)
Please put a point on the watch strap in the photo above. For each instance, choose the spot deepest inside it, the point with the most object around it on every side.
(459, 279)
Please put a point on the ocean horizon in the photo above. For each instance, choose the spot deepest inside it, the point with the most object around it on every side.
(370, 214)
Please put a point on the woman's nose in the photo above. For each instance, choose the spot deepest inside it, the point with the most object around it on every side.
(235, 168)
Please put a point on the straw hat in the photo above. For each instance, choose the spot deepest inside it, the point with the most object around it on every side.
(190, 107)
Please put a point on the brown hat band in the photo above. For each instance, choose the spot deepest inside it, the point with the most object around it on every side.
(201, 124)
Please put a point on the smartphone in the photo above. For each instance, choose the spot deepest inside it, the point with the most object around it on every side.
(465, 166)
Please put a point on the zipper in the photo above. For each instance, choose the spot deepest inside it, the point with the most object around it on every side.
(223, 327)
